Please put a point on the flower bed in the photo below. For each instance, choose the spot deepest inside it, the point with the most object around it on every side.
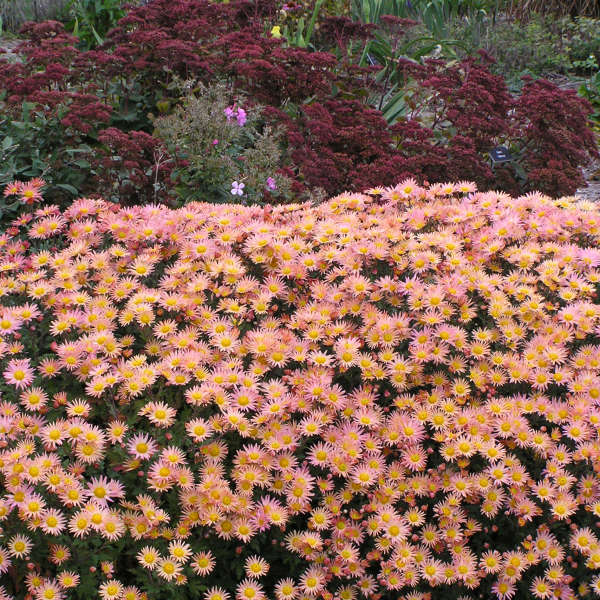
(86, 120)
(393, 393)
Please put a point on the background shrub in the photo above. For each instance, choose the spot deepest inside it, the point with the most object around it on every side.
(583, 42)
(130, 79)
(591, 91)
(91, 20)
(219, 141)
(533, 47)
(571, 8)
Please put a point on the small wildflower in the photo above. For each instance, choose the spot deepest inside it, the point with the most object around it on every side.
(237, 189)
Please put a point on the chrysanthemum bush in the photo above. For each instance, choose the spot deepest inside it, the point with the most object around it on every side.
(392, 394)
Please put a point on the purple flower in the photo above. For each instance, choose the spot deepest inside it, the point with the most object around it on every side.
(215, 142)
(241, 117)
(239, 114)
(271, 183)
(237, 189)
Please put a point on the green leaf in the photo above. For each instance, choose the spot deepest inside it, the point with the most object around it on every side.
(299, 37)
(394, 108)
(311, 24)
(99, 40)
(83, 164)
(67, 188)
(520, 171)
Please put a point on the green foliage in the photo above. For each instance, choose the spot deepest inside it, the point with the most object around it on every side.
(216, 151)
(534, 48)
(589, 64)
(431, 38)
(582, 42)
(34, 145)
(298, 22)
(371, 11)
(591, 92)
(387, 50)
(298, 33)
(436, 15)
(553, 8)
(92, 19)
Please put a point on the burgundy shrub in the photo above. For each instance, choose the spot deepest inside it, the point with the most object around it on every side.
(552, 126)
(270, 73)
(331, 142)
(470, 99)
(132, 166)
(339, 31)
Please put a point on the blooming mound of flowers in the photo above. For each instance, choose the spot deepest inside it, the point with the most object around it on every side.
(402, 386)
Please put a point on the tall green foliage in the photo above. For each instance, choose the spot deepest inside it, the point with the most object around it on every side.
(91, 20)
(434, 14)
(591, 91)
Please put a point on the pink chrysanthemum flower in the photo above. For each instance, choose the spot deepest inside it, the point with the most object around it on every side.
(141, 446)
(216, 593)
(5, 561)
(68, 579)
(29, 192)
(110, 590)
(49, 591)
(19, 373)
(249, 590)
(12, 189)
(256, 566)
(19, 546)
(203, 563)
